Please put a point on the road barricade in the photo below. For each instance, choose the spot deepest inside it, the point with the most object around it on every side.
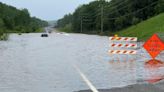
(123, 45)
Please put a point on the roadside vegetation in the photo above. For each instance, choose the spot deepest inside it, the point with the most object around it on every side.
(146, 28)
(67, 28)
(13, 20)
(102, 17)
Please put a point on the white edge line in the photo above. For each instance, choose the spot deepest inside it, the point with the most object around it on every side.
(86, 80)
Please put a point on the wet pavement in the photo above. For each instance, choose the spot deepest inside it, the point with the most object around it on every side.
(30, 63)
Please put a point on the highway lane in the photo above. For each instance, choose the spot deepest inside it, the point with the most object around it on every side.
(30, 63)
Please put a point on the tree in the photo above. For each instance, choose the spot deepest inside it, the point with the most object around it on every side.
(117, 14)
(1, 26)
(160, 6)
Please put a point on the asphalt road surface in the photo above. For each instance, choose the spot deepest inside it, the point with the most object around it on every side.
(68, 63)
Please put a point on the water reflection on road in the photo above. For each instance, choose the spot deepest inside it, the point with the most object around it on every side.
(30, 63)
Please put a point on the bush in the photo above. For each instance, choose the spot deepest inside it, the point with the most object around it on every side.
(4, 36)
(67, 28)
(135, 21)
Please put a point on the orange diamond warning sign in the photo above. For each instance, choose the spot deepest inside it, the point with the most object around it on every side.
(154, 46)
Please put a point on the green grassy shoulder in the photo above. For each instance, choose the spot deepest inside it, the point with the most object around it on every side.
(67, 28)
(145, 29)
(4, 36)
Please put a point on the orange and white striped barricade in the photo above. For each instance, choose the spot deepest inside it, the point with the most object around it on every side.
(123, 45)
(130, 39)
(132, 52)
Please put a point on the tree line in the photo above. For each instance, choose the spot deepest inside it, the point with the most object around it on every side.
(18, 20)
(104, 16)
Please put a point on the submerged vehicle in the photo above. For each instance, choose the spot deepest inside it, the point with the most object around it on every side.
(44, 35)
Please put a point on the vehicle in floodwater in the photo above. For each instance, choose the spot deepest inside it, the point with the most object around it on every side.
(44, 35)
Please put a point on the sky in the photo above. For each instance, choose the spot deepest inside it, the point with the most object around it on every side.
(47, 9)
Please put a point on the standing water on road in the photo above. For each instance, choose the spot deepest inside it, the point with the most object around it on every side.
(30, 63)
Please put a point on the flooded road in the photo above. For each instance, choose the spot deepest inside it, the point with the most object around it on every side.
(29, 63)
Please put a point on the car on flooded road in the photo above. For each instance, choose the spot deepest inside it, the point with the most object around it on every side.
(44, 35)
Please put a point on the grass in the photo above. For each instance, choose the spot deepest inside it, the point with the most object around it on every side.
(40, 30)
(145, 29)
(4, 36)
(67, 28)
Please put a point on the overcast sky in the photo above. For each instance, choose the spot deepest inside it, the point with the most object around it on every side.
(47, 9)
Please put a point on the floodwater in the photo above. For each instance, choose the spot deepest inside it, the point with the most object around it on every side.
(29, 63)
